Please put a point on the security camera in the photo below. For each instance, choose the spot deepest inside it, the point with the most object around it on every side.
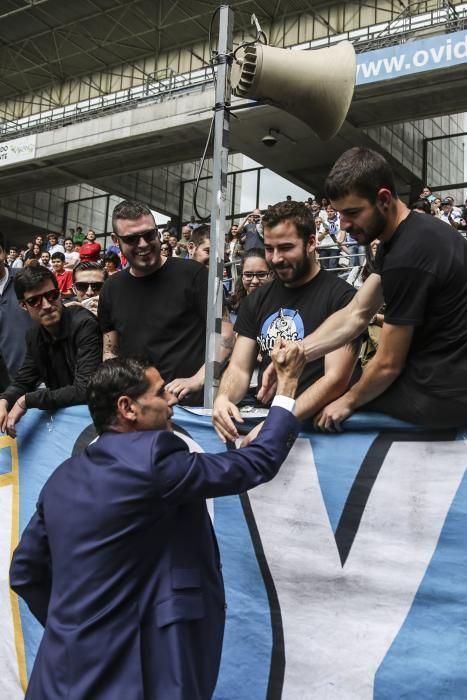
(269, 140)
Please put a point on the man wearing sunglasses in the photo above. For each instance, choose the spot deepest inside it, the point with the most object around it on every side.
(63, 348)
(88, 280)
(157, 307)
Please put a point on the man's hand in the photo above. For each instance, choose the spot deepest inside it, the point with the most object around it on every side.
(288, 358)
(268, 385)
(223, 415)
(184, 386)
(92, 304)
(331, 416)
(16, 413)
(252, 434)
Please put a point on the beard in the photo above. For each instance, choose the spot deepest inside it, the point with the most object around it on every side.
(291, 273)
(372, 230)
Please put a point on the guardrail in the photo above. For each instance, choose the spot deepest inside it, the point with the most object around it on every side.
(156, 89)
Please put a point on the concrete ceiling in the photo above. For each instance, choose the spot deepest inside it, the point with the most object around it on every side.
(48, 41)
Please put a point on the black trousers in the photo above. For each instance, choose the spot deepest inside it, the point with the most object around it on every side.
(408, 401)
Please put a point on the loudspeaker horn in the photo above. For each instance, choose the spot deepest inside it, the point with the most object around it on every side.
(315, 86)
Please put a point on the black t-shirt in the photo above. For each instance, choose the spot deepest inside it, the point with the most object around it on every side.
(424, 278)
(292, 313)
(161, 316)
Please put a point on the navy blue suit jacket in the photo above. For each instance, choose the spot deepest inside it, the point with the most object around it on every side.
(121, 565)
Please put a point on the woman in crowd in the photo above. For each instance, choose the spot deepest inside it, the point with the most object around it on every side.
(254, 273)
(111, 263)
(166, 250)
(234, 251)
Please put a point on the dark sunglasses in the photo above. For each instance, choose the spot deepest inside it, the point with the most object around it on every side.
(133, 238)
(36, 300)
(83, 286)
(260, 275)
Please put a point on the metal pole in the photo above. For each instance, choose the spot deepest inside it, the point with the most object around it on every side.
(218, 205)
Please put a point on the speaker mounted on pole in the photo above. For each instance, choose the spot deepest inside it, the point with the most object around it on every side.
(314, 86)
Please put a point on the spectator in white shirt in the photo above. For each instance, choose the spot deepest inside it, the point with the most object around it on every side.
(54, 245)
(71, 255)
(15, 259)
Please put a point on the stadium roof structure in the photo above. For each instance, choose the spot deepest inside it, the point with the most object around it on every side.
(48, 41)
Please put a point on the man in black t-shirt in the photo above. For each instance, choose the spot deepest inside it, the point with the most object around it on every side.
(157, 307)
(419, 372)
(300, 298)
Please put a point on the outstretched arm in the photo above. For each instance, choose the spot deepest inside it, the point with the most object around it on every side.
(338, 330)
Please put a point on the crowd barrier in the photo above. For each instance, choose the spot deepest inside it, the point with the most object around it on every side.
(346, 576)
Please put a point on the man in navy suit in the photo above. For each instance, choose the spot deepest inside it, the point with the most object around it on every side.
(120, 562)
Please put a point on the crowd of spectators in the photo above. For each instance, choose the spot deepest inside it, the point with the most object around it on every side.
(74, 268)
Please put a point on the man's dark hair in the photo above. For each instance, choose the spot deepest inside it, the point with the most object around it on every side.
(360, 171)
(198, 235)
(52, 234)
(68, 238)
(120, 376)
(13, 247)
(129, 209)
(295, 212)
(58, 254)
(88, 265)
(31, 277)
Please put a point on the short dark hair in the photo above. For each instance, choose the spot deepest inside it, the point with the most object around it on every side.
(295, 212)
(113, 258)
(362, 171)
(199, 234)
(88, 265)
(120, 376)
(58, 254)
(31, 277)
(68, 238)
(129, 209)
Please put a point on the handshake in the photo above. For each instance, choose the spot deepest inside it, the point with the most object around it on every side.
(288, 360)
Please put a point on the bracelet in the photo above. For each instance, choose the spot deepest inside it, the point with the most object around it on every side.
(23, 408)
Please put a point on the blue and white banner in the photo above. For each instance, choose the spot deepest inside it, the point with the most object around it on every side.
(413, 57)
(345, 575)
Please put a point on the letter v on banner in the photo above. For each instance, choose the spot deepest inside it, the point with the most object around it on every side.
(345, 595)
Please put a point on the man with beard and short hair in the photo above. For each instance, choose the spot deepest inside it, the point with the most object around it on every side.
(158, 306)
(419, 372)
(300, 298)
(45, 260)
(199, 245)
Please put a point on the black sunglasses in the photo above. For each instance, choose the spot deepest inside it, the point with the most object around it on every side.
(83, 286)
(36, 300)
(133, 238)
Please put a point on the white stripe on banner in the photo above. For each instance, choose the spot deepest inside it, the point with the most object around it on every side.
(339, 622)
